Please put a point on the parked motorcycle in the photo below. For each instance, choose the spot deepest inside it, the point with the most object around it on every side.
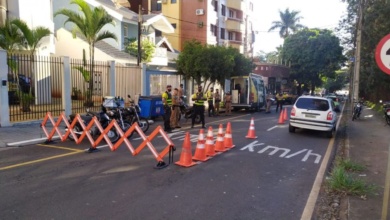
(357, 110)
(132, 115)
(103, 119)
(186, 112)
(386, 111)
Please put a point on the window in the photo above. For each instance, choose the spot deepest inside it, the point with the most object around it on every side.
(174, 25)
(125, 31)
(213, 29)
(222, 33)
(223, 10)
(173, 1)
(231, 36)
(231, 13)
(216, 6)
(251, 6)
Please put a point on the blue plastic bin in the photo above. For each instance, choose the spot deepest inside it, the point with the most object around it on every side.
(151, 106)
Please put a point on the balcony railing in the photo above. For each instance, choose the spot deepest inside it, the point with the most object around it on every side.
(235, 4)
(235, 25)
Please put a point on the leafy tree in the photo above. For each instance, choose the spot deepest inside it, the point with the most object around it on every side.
(89, 25)
(147, 49)
(211, 63)
(288, 23)
(374, 83)
(338, 82)
(313, 54)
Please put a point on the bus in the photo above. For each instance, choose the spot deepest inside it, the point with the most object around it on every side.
(248, 92)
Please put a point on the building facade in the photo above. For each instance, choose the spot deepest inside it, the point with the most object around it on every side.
(214, 22)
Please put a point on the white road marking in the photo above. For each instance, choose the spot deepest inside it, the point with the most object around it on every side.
(270, 129)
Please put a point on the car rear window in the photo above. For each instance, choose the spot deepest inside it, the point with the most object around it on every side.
(312, 104)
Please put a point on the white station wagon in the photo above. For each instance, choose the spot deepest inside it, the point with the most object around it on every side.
(314, 113)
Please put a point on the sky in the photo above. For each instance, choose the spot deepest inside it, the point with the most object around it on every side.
(315, 13)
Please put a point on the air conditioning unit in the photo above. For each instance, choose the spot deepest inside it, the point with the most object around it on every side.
(199, 11)
(164, 1)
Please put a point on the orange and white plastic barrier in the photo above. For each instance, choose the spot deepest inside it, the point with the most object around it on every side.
(103, 134)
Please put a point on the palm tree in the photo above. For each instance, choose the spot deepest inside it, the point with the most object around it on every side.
(289, 23)
(89, 25)
(10, 37)
(30, 41)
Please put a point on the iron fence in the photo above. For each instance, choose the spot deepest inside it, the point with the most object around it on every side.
(34, 86)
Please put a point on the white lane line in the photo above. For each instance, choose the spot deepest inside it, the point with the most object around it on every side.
(270, 129)
(31, 141)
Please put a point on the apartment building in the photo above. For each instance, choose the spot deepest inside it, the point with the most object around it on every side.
(215, 22)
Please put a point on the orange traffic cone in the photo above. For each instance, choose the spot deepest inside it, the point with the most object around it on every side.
(285, 114)
(251, 131)
(210, 147)
(228, 142)
(281, 121)
(186, 153)
(200, 152)
(220, 145)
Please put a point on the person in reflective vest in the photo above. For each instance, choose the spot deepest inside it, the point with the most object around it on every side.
(167, 101)
(199, 99)
(279, 101)
(210, 96)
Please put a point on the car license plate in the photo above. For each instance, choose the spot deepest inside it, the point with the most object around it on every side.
(310, 116)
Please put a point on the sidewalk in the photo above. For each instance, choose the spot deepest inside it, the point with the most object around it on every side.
(369, 139)
(17, 134)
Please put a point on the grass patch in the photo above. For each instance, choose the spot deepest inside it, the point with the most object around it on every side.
(351, 166)
(342, 179)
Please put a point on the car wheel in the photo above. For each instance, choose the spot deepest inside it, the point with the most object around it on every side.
(330, 133)
(291, 129)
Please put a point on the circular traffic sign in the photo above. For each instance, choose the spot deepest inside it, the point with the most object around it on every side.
(382, 54)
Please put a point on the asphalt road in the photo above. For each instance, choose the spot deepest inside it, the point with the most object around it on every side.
(270, 177)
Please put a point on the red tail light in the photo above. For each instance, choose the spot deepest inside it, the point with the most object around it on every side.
(292, 112)
(329, 117)
(251, 97)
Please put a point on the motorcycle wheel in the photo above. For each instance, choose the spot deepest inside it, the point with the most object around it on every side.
(143, 123)
(75, 129)
(387, 119)
(126, 126)
(113, 135)
(197, 119)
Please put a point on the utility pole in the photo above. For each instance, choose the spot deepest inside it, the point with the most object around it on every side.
(356, 76)
(139, 34)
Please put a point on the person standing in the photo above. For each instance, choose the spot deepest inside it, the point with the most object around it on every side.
(167, 102)
(269, 102)
(228, 103)
(199, 99)
(175, 109)
(217, 98)
(279, 101)
(210, 96)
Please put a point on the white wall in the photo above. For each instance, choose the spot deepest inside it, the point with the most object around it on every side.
(66, 45)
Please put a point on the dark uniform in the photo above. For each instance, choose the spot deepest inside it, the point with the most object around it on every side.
(167, 101)
(199, 99)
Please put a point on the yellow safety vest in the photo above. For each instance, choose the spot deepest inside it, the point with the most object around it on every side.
(198, 102)
(168, 97)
